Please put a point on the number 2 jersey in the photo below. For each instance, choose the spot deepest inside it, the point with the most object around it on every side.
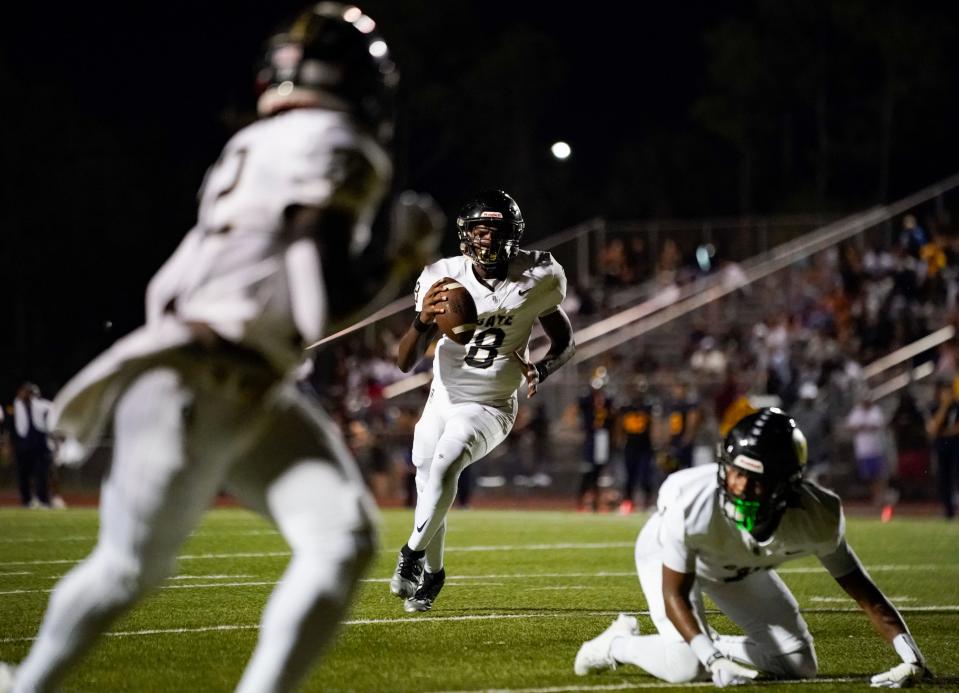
(487, 370)
(690, 533)
(229, 272)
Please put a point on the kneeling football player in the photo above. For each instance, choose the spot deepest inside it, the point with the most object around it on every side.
(725, 540)
(472, 402)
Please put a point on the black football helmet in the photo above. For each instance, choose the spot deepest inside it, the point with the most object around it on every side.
(770, 448)
(333, 49)
(496, 209)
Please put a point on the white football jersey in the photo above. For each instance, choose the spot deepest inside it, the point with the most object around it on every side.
(691, 533)
(229, 272)
(486, 370)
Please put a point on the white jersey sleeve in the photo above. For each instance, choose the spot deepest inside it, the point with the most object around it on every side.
(676, 553)
(679, 506)
(552, 291)
(827, 516)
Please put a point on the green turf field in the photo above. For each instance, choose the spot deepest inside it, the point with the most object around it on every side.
(524, 589)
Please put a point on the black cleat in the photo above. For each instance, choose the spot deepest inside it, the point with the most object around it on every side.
(427, 593)
(408, 573)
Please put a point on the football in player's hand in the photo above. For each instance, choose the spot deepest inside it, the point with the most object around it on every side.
(459, 321)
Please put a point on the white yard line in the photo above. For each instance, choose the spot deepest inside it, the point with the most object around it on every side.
(211, 577)
(44, 540)
(524, 576)
(845, 600)
(444, 619)
(637, 685)
(544, 547)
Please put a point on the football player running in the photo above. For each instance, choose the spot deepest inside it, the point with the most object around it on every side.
(725, 540)
(472, 402)
(202, 397)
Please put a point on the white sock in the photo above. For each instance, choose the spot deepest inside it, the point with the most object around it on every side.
(435, 550)
(667, 660)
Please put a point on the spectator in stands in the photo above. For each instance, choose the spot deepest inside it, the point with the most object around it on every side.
(877, 262)
(947, 361)
(598, 414)
(539, 424)
(682, 419)
(913, 236)
(669, 263)
(614, 264)
(6, 452)
(912, 446)
(708, 359)
(639, 260)
(813, 419)
(943, 429)
(31, 447)
(636, 421)
(866, 423)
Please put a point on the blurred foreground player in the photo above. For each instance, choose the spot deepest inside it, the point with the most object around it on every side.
(725, 540)
(201, 397)
(472, 402)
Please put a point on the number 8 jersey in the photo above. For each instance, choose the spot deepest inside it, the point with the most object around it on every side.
(486, 370)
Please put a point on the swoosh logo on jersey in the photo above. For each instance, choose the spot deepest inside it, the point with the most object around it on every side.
(420, 528)
(521, 292)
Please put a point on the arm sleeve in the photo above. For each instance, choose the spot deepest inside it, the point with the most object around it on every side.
(677, 555)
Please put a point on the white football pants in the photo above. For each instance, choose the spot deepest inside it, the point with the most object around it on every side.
(447, 439)
(182, 434)
(777, 638)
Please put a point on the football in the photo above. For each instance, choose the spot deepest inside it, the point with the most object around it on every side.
(459, 321)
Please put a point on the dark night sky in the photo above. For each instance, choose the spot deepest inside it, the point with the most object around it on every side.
(111, 115)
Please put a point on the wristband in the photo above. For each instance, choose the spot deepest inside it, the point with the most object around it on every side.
(541, 371)
(907, 649)
(419, 325)
(704, 649)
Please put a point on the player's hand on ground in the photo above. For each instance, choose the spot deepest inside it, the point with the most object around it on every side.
(434, 302)
(530, 373)
(902, 675)
(726, 672)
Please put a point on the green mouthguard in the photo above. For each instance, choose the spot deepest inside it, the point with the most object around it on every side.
(746, 512)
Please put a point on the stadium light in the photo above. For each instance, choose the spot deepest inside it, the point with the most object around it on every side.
(561, 150)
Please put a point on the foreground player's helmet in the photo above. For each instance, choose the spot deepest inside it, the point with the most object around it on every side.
(771, 449)
(495, 209)
(332, 49)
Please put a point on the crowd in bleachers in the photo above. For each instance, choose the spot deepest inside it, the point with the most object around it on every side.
(818, 324)
(798, 338)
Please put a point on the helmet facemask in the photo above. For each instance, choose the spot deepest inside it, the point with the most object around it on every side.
(758, 513)
(502, 247)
